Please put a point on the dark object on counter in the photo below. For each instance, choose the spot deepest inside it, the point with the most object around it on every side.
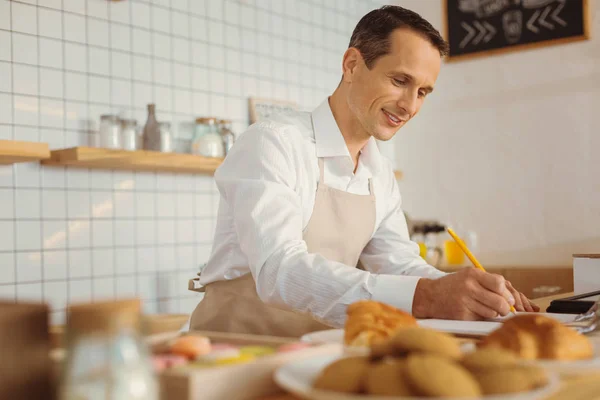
(578, 304)
(26, 371)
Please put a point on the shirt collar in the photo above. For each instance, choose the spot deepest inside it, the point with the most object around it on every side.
(330, 142)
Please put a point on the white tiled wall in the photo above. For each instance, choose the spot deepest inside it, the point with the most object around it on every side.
(75, 234)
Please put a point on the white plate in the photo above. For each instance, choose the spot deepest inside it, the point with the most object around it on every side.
(298, 376)
(471, 328)
(560, 367)
(326, 336)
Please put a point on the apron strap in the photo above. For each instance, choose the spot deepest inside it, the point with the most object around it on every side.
(196, 288)
(321, 171)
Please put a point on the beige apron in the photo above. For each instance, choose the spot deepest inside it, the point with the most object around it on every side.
(340, 227)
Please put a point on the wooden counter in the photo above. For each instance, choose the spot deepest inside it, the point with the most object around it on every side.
(584, 387)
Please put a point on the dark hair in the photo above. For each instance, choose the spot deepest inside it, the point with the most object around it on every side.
(371, 35)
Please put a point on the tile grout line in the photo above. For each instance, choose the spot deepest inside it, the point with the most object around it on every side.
(14, 166)
(39, 122)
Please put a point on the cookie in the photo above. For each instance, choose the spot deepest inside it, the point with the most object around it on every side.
(511, 380)
(436, 376)
(345, 375)
(387, 378)
(422, 340)
(383, 349)
(488, 358)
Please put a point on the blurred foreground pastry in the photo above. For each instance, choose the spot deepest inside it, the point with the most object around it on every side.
(422, 362)
(532, 337)
(369, 322)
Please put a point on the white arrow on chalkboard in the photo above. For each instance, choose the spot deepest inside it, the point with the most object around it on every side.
(530, 25)
(543, 21)
(482, 32)
(557, 11)
(542, 18)
(486, 32)
(491, 34)
(469, 36)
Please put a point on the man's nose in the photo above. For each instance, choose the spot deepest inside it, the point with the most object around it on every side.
(408, 102)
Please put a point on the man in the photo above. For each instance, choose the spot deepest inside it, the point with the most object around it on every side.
(306, 197)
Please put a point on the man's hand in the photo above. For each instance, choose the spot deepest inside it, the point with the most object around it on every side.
(469, 294)
(522, 303)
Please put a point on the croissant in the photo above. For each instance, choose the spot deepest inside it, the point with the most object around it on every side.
(532, 336)
(369, 322)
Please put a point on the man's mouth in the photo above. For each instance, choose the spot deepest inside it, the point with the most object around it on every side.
(393, 119)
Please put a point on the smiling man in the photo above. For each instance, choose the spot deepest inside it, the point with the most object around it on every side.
(310, 216)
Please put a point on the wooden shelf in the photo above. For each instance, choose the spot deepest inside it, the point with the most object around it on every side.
(141, 160)
(12, 152)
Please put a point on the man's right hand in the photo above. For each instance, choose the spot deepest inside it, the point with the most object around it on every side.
(469, 294)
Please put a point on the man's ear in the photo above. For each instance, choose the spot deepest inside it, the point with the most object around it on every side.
(350, 63)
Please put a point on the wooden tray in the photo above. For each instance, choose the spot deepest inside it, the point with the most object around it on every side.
(239, 382)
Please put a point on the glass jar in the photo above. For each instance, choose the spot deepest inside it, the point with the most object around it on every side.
(109, 135)
(106, 356)
(207, 141)
(166, 137)
(227, 134)
(129, 134)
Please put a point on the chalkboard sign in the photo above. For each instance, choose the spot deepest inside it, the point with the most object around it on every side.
(264, 108)
(478, 27)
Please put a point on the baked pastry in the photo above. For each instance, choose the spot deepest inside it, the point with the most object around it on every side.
(435, 376)
(387, 378)
(369, 322)
(532, 336)
(490, 358)
(423, 340)
(345, 375)
(421, 362)
(511, 380)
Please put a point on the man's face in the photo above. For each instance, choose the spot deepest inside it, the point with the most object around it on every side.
(388, 95)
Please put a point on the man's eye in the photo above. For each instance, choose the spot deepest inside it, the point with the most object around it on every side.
(422, 94)
(399, 82)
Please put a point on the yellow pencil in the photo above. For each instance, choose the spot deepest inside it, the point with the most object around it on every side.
(470, 255)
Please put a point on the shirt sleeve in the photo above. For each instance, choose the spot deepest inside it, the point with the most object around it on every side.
(391, 252)
(258, 183)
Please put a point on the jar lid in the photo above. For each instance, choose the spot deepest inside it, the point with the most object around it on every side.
(109, 117)
(104, 317)
(128, 121)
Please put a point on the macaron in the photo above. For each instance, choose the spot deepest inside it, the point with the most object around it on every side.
(257, 351)
(219, 354)
(222, 346)
(165, 361)
(191, 346)
(284, 348)
(241, 359)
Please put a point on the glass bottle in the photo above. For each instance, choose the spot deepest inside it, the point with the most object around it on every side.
(106, 357)
(151, 135)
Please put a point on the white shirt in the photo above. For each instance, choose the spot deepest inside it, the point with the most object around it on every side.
(268, 184)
